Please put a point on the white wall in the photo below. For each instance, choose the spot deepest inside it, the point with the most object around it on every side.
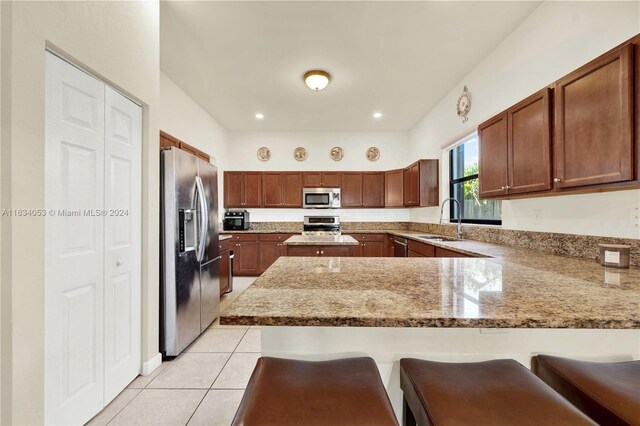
(182, 117)
(394, 153)
(119, 42)
(555, 39)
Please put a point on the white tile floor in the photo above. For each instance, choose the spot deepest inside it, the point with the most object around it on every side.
(202, 386)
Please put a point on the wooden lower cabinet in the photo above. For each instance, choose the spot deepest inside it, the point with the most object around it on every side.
(420, 249)
(246, 249)
(371, 245)
(412, 253)
(440, 252)
(320, 251)
(225, 266)
(271, 248)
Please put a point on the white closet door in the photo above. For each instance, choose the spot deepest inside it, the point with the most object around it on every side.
(123, 128)
(74, 245)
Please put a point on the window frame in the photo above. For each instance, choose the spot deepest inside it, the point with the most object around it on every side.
(453, 182)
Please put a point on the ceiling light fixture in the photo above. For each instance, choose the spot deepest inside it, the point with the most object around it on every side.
(377, 114)
(316, 79)
(259, 116)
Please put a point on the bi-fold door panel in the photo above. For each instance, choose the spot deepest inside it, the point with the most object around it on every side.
(74, 248)
(92, 252)
(123, 121)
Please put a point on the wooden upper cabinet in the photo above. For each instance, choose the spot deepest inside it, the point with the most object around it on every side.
(233, 188)
(493, 158)
(351, 189)
(291, 190)
(594, 122)
(271, 189)
(421, 184)
(167, 141)
(394, 188)
(321, 179)
(373, 189)
(252, 189)
(281, 189)
(529, 144)
(242, 189)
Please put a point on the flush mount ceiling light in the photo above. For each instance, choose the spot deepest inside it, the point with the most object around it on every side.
(316, 79)
(377, 114)
(259, 116)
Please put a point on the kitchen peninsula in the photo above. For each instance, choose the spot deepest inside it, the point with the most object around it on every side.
(512, 303)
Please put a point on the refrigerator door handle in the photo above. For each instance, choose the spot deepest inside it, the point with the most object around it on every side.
(204, 220)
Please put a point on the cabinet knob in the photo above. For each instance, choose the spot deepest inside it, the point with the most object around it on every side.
(364, 244)
(507, 187)
(557, 180)
(317, 252)
(503, 188)
(321, 251)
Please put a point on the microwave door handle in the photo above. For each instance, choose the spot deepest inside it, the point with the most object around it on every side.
(204, 220)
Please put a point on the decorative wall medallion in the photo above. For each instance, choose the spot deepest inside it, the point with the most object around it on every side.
(264, 154)
(336, 153)
(300, 154)
(464, 104)
(373, 154)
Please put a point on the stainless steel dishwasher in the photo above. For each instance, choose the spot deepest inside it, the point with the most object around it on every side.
(400, 247)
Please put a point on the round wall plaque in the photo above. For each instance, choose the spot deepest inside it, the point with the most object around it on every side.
(264, 154)
(373, 154)
(300, 154)
(336, 153)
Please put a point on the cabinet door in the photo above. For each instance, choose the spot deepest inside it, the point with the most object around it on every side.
(594, 122)
(394, 189)
(269, 253)
(373, 249)
(233, 187)
(529, 144)
(423, 249)
(246, 261)
(291, 190)
(312, 179)
(313, 251)
(271, 189)
(336, 251)
(411, 188)
(331, 180)
(252, 189)
(440, 252)
(492, 167)
(351, 192)
(168, 141)
(373, 189)
(225, 278)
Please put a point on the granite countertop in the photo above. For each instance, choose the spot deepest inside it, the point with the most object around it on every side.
(509, 288)
(321, 240)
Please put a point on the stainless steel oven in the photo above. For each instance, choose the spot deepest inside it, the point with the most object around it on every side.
(321, 198)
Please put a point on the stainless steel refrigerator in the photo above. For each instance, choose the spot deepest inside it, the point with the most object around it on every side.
(190, 288)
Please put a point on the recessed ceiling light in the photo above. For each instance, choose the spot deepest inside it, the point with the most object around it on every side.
(316, 79)
(377, 114)
(259, 116)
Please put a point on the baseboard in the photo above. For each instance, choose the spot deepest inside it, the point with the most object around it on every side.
(152, 364)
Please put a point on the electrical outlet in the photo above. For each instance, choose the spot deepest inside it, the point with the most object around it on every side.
(634, 217)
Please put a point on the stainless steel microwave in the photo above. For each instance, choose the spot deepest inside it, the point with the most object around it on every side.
(321, 198)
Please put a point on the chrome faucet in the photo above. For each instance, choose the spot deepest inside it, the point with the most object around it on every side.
(459, 215)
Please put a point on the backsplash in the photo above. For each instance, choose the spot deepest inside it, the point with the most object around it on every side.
(584, 246)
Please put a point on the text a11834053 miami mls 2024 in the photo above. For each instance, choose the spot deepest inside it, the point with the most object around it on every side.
(64, 212)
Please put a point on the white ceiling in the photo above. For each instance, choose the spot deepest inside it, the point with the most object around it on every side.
(238, 58)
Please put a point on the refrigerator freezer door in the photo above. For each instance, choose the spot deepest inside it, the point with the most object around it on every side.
(209, 175)
(180, 298)
(210, 290)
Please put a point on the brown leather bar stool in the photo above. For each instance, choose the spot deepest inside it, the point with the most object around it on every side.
(343, 392)
(608, 392)
(496, 393)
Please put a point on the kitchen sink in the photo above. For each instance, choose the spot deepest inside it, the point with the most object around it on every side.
(438, 238)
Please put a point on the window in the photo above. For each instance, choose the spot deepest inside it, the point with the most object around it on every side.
(463, 177)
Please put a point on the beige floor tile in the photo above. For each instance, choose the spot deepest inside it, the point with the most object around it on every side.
(237, 372)
(217, 408)
(114, 407)
(160, 407)
(216, 324)
(218, 340)
(242, 283)
(142, 381)
(251, 342)
(191, 371)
